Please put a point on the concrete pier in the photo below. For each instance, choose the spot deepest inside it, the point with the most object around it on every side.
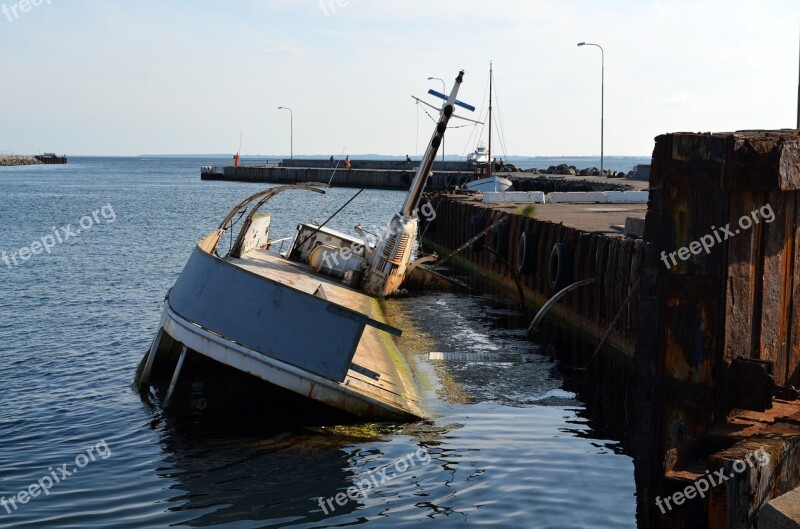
(392, 177)
(705, 307)
(341, 177)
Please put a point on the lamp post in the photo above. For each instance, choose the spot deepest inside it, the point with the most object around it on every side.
(602, 93)
(291, 131)
(444, 91)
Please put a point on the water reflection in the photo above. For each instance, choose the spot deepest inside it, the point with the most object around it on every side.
(246, 473)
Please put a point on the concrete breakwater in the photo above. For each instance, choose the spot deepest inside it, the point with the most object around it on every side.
(395, 165)
(11, 160)
(713, 337)
(369, 178)
(389, 178)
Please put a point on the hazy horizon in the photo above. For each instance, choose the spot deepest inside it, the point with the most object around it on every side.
(325, 156)
(97, 78)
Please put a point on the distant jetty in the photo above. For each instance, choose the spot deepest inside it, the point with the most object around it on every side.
(6, 161)
(394, 174)
(47, 158)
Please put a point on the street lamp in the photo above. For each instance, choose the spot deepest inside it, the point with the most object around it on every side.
(444, 91)
(291, 131)
(602, 93)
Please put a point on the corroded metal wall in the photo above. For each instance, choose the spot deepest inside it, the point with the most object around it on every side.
(734, 299)
(614, 262)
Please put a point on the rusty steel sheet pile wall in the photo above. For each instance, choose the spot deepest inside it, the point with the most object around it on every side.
(614, 262)
(735, 298)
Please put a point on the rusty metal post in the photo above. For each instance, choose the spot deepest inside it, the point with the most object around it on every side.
(704, 306)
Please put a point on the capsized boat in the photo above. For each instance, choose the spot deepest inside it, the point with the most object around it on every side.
(483, 178)
(307, 321)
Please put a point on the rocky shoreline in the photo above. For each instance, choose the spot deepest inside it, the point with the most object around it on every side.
(639, 172)
(9, 160)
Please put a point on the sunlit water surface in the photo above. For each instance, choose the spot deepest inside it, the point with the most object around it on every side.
(509, 448)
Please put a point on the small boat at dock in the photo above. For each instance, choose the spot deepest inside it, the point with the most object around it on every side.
(483, 179)
(306, 321)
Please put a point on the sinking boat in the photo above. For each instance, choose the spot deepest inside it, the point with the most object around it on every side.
(483, 178)
(306, 321)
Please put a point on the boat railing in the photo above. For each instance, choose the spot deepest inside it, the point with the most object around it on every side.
(282, 241)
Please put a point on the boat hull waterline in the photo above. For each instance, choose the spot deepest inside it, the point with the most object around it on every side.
(308, 320)
(308, 370)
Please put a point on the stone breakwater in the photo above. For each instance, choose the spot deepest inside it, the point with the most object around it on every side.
(6, 160)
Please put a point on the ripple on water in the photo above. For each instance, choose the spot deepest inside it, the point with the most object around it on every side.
(513, 452)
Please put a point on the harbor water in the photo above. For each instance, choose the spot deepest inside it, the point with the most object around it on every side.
(90, 249)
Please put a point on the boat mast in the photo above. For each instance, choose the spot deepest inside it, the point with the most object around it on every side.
(424, 170)
(388, 262)
(491, 165)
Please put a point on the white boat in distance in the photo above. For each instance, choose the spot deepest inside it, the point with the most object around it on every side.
(307, 321)
(483, 178)
(480, 155)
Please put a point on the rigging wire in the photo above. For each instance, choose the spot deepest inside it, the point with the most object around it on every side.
(500, 128)
(416, 145)
(337, 166)
(230, 227)
(482, 119)
(330, 218)
(448, 126)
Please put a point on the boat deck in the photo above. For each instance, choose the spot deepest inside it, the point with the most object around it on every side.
(383, 373)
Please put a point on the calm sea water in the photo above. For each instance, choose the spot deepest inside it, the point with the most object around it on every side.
(509, 447)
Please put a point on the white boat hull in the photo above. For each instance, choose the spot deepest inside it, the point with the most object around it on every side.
(493, 184)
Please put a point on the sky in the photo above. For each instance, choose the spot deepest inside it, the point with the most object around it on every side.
(114, 77)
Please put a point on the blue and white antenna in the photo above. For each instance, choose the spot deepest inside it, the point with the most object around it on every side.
(457, 102)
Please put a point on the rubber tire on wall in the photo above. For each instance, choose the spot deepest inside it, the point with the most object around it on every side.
(560, 269)
(526, 253)
(498, 242)
(476, 225)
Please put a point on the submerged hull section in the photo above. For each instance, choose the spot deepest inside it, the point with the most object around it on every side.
(280, 322)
